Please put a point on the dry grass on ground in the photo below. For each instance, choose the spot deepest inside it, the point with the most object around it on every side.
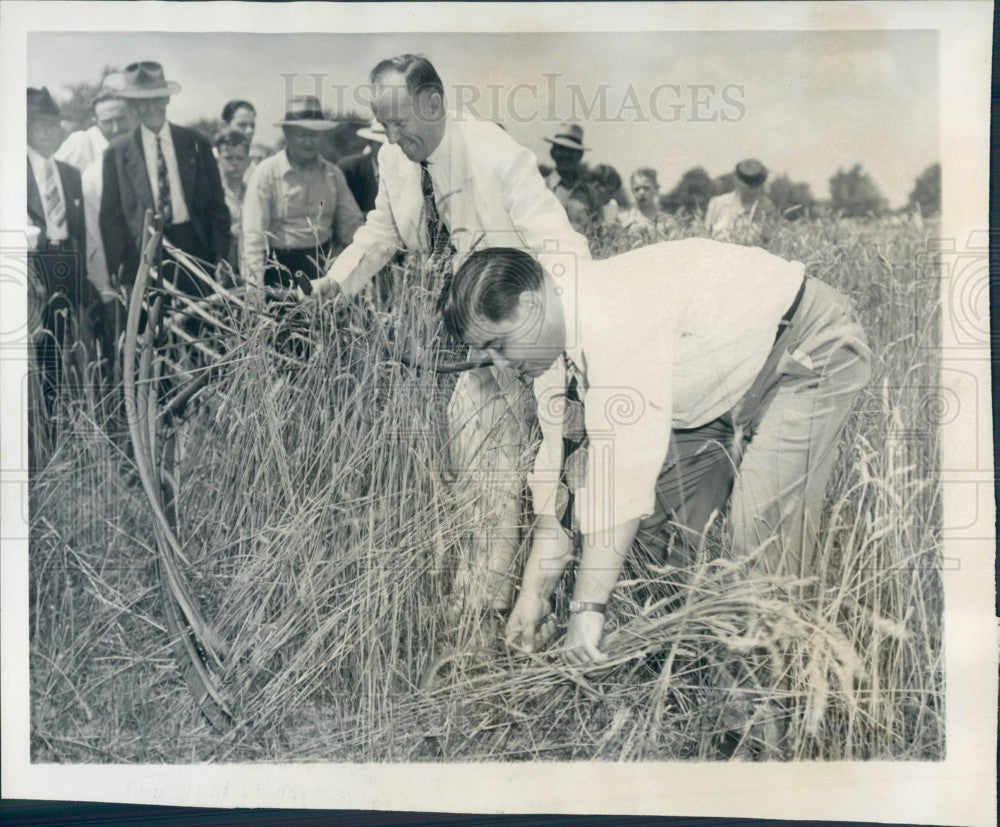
(322, 538)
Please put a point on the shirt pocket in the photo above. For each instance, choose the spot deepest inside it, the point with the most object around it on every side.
(295, 202)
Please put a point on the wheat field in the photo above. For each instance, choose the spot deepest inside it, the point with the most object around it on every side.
(320, 538)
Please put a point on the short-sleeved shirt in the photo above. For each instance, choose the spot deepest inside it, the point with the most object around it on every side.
(667, 336)
(293, 209)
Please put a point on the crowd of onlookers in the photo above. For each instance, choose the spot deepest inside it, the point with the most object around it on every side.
(244, 210)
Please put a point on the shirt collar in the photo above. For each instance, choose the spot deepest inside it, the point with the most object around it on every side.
(440, 158)
(285, 166)
(149, 135)
(570, 300)
(37, 158)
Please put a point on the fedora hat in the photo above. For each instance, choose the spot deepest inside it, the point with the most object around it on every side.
(305, 111)
(373, 132)
(40, 102)
(144, 79)
(751, 172)
(569, 135)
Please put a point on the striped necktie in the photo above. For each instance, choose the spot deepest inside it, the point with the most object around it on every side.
(163, 179)
(438, 237)
(55, 210)
(571, 473)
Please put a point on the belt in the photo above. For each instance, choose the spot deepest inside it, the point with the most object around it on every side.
(786, 320)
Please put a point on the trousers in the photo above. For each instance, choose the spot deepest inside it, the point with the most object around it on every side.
(770, 457)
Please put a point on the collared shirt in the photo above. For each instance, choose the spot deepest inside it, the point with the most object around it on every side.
(439, 167)
(727, 214)
(178, 202)
(667, 336)
(234, 201)
(292, 209)
(81, 149)
(39, 168)
(92, 182)
(656, 228)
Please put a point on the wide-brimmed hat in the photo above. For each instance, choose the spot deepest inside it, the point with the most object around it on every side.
(373, 132)
(751, 172)
(305, 111)
(145, 80)
(40, 102)
(569, 135)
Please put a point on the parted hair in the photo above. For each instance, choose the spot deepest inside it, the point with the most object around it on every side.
(231, 108)
(488, 285)
(417, 70)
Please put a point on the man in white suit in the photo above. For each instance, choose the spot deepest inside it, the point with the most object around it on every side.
(452, 185)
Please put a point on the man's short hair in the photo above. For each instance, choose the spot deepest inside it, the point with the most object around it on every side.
(417, 70)
(606, 176)
(488, 285)
(230, 109)
(230, 137)
(646, 172)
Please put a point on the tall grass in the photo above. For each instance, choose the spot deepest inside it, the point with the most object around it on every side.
(324, 537)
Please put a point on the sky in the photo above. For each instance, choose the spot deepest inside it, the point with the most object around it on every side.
(804, 103)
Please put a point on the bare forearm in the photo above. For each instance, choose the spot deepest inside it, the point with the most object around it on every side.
(601, 562)
(551, 551)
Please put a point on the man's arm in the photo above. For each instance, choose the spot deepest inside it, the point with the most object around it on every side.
(347, 216)
(256, 220)
(375, 242)
(534, 209)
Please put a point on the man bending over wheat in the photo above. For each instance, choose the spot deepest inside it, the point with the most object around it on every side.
(448, 185)
(689, 373)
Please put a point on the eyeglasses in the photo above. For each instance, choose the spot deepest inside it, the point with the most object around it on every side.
(150, 65)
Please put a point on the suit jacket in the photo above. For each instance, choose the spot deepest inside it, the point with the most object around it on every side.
(71, 282)
(127, 195)
(497, 199)
(361, 178)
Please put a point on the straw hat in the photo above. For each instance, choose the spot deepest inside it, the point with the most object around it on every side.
(570, 135)
(305, 111)
(145, 80)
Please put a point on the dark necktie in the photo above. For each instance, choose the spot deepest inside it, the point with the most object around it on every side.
(163, 179)
(438, 237)
(571, 472)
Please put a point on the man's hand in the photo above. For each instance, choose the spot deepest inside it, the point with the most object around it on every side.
(322, 288)
(583, 637)
(523, 630)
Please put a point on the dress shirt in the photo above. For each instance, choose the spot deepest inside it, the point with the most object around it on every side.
(39, 165)
(92, 181)
(488, 192)
(293, 209)
(633, 219)
(234, 201)
(82, 148)
(178, 201)
(667, 336)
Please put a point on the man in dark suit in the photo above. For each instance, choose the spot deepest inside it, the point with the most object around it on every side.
(361, 170)
(168, 169)
(63, 299)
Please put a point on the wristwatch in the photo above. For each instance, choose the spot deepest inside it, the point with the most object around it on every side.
(576, 606)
